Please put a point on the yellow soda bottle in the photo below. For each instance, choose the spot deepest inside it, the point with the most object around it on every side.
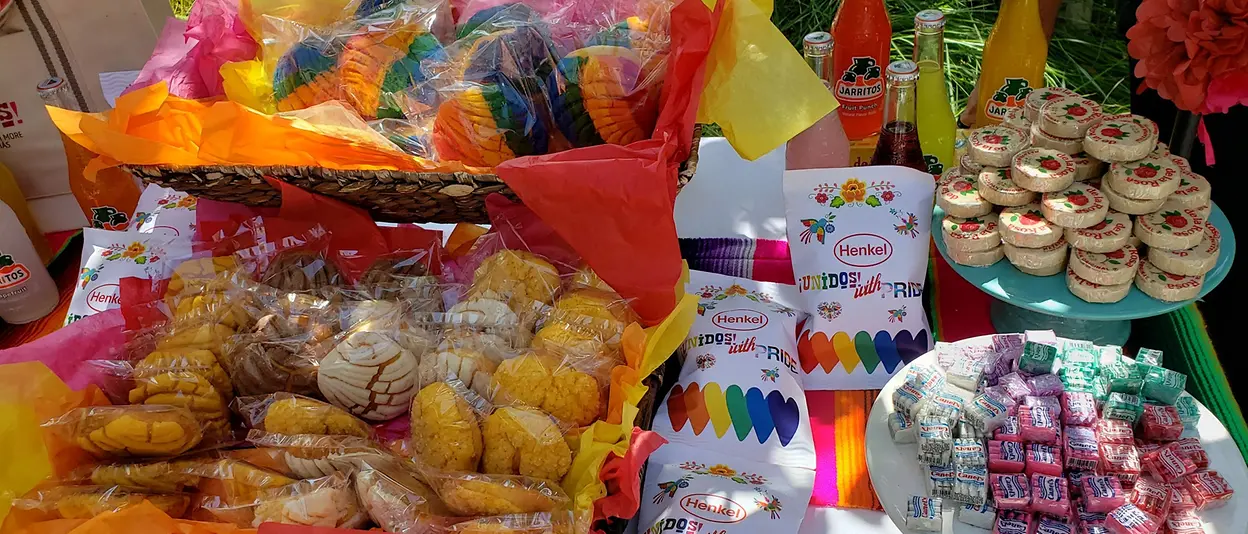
(937, 129)
(1013, 63)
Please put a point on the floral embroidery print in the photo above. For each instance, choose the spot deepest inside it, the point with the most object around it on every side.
(855, 192)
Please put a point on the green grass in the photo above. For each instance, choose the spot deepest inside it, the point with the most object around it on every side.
(181, 8)
(1089, 59)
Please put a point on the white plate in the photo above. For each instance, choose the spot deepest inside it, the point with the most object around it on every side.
(897, 476)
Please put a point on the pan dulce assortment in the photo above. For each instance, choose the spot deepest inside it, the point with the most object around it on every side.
(1035, 433)
(1068, 189)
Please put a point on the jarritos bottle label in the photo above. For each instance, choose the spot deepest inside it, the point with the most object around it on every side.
(12, 274)
(1012, 94)
(860, 88)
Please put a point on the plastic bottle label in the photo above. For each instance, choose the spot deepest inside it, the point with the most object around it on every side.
(1012, 94)
(12, 274)
(861, 87)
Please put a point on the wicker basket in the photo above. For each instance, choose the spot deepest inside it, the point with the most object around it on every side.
(392, 196)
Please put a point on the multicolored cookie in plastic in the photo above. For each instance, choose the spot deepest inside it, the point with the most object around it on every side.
(483, 125)
(601, 94)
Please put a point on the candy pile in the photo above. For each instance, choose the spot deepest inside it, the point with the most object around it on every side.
(1035, 433)
(1035, 190)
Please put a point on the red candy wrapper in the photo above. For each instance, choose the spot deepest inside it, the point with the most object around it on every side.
(1043, 459)
(1122, 461)
(1152, 497)
(1208, 489)
(1180, 498)
(1129, 519)
(1192, 448)
(1161, 423)
(1168, 464)
(1185, 522)
(1144, 446)
(1006, 456)
(1037, 424)
(1102, 494)
(1014, 522)
(1010, 492)
(1114, 431)
(1009, 430)
(1050, 495)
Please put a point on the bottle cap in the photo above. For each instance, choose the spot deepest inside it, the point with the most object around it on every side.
(50, 84)
(817, 43)
(902, 71)
(929, 19)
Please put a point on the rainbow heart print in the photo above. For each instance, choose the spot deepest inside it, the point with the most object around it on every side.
(742, 412)
(859, 240)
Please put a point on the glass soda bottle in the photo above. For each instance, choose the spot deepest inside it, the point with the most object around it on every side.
(823, 145)
(110, 199)
(899, 134)
(862, 33)
(937, 128)
(27, 292)
(1013, 63)
(11, 194)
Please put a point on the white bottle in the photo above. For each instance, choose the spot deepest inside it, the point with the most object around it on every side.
(27, 291)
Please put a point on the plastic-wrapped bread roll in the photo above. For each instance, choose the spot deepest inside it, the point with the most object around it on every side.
(1111, 268)
(996, 145)
(1168, 287)
(960, 198)
(1025, 226)
(1078, 206)
(1045, 261)
(1125, 204)
(1112, 233)
(1147, 179)
(1039, 97)
(1195, 261)
(971, 234)
(1121, 138)
(369, 375)
(1171, 229)
(1069, 116)
(1095, 293)
(996, 186)
(1042, 170)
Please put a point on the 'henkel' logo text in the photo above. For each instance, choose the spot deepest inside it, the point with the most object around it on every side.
(739, 320)
(863, 250)
(713, 508)
(102, 298)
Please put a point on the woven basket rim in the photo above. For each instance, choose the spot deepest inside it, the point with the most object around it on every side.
(410, 177)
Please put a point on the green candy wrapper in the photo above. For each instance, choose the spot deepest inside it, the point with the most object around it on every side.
(1080, 354)
(1079, 379)
(1039, 352)
(1109, 354)
(1123, 377)
(1163, 385)
(1189, 411)
(1123, 406)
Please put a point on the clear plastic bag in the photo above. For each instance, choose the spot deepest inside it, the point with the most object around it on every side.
(163, 476)
(287, 413)
(395, 497)
(526, 442)
(368, 373)
(232, 482)
(323, 502)
(308, 455)
(86, 502)
(110, 432)
(470, 494)
(542, 523)
(446, 432)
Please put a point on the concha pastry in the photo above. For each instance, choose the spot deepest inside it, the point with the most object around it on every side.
(471, 367)
(369, 375)
(517, 274)
(141, 431)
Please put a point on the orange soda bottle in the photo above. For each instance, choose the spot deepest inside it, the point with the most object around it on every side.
(862, 32)
(1013, 63)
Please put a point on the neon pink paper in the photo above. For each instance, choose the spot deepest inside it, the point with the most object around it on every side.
(98, 337)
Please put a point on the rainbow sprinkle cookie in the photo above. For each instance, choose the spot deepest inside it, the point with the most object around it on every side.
(487, 124)
(600, 100)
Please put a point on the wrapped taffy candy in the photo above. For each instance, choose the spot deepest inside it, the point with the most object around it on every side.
(1129, 519)
(1038, 424)
(86, 502)
(935, 442)
(1163, 385)
(1181, 498)
(1161, 423)
(1081, 449)
(971, 485)
(1006, 456)
(941, 480)
(1043, 459)
(131, 431)
(1122, 461)
(1192, 448)
(1189, 410)
(1011, 521)
(982, 516)
(1016, 385)
(1078, 408)
(901, 427)
(969, 452)
(1114, 431)
(287, 413)
(1123, 406)
(1168, 464)
(1010, 430)
(945, 406)
(1047, 385)
(1102, 494)
(1123, 377)
(1010, 491)
(923, 513)
(1208, 489)
(1185, 522)
(1040, 348)
(1152, 497)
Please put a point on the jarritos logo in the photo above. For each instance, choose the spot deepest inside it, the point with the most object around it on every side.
(11, 272)
(1012, 94)
(861, 82)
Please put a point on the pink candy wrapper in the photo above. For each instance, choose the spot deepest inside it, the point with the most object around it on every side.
(1052, 525)
(1078, 408)
(1043, 459)
(1180, 498)
(1145, 446)
(1193, 449)
(1082, 453)
(1152, 497)
(1009, 430)
(1102, 494)
(1045, 385)
(1128, 519)
(1010, 492)
(1013, 522)
(1015, 385)
(1093, 528)
(1208, 489)
(1006, 457)
(1168, 464)
(1161, 423)
(1120, 460)
(1037, 424)
(1053, 403)
(1114, 431)
(1185, 522)
(1075, 478)
(1087, 516)
(1049, 495)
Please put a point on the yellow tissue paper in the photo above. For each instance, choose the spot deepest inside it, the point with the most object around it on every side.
(758, 87)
